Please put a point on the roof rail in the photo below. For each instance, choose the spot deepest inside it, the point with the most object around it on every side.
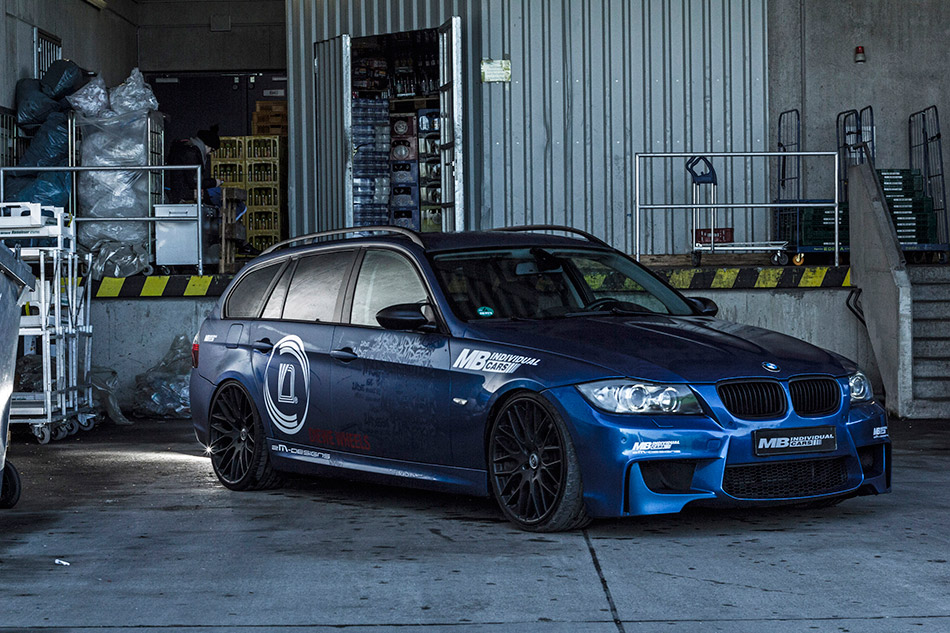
(313, 237)
(554, 227)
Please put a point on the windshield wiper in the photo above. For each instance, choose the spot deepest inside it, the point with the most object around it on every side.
(608, 312)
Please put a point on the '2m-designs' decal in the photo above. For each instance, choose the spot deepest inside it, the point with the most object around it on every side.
(287, 390)
(496, 362)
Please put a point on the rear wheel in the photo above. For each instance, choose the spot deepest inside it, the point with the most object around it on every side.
(535, 477)
(238, 447)
(10, 486)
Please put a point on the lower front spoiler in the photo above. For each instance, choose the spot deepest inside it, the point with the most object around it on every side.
(668, 486)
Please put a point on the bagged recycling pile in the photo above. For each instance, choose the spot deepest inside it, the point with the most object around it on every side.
(41, 105)
(114, 128)
(163, 390)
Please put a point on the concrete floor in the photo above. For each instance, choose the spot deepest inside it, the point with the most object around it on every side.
(153, 541)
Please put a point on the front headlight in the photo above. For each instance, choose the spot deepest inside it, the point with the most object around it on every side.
(860, 388)
(629, 396)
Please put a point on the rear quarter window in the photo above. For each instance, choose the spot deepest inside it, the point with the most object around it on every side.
(248, 295)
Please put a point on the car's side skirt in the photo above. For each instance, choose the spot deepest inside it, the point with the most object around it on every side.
(288, 456)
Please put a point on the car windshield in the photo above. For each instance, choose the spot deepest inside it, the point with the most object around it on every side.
(550, 282)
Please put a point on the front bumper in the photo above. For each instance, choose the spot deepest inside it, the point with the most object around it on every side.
(635, 465)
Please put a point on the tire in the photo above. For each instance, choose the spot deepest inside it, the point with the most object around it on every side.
(239, 453)
(532, 467)
(10, 492)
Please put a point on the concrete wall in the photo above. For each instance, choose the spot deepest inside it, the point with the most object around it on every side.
(176, 35)
(131, 336)
(820, 317)
(811, 67)
(100, 40)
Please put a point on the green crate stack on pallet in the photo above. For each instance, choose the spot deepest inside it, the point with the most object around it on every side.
(911, 209)
(817, 226)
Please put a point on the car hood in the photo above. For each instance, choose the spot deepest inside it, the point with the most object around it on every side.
(667, 348)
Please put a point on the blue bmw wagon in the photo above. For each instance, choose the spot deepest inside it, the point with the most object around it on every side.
(550, 372)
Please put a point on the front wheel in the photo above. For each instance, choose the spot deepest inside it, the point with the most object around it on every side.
(533, 468)
(238, 446)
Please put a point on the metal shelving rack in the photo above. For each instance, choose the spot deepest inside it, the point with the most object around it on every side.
(47, 241)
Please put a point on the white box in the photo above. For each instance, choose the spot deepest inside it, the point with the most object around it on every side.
(176, 243)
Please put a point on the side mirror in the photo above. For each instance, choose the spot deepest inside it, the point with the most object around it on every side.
(402, 316)
(706, 307)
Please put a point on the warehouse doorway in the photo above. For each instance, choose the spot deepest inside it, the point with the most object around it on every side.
(388, 131)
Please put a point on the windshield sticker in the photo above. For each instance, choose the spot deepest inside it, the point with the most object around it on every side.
(485, 311)
(495, 362)
(287, 388)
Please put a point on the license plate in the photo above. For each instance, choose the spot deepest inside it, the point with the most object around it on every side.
(815, 439)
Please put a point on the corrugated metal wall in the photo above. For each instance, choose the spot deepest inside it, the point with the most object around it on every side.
(593, 82)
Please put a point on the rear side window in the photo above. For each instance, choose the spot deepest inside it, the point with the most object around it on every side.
(248, 295)
(315, 288)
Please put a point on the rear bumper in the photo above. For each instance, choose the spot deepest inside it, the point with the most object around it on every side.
(201, 391)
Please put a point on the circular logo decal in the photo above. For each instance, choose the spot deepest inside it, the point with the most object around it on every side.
(772, 367)
(287, 387)
(485, 311)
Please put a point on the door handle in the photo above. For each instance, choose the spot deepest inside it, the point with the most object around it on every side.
(263, 346)
(345, 355)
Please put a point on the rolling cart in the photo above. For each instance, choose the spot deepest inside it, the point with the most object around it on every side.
(56, 318)
(713, 237)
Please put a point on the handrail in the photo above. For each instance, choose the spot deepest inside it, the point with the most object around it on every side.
(313, 237)
(196, 168)
(554, 227)
(639, 206)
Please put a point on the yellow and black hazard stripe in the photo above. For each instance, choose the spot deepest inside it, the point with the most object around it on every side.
(766, 278)
(160, 286)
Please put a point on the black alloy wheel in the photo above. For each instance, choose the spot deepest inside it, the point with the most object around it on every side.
(10, 486)
(238, 448)
(535, 477)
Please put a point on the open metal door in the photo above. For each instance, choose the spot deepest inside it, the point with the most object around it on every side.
(450, 110)
(333, 132)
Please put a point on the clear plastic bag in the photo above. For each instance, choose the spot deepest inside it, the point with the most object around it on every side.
(133, 95)
(163, 390)
(113, 141)
(118, 259)
(104, 384)
(92, 100)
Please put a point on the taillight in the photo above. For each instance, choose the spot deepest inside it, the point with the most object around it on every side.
(194, 352)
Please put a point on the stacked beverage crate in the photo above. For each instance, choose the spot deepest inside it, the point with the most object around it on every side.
(227, 163)
(371, 177)
(265, 166)
(256, 164)
(817, 226)
(911, 209)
